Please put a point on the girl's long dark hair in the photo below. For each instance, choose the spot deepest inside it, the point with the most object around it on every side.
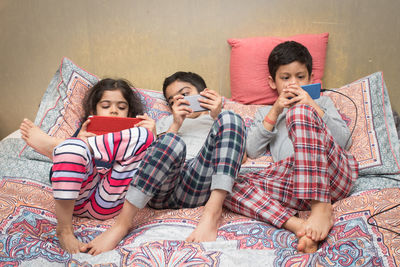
(95, 94)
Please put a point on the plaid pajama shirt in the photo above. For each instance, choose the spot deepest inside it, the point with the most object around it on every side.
(99, 193)
(169, 181)
(319, 170)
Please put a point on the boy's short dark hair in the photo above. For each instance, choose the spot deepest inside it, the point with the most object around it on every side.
(189, 77)
(286, 53)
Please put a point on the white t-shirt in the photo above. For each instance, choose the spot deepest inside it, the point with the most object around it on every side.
(193, 132)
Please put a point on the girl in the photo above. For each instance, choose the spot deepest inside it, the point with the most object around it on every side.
(91, 174)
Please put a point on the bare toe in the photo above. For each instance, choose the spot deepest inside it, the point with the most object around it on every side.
(306, 245)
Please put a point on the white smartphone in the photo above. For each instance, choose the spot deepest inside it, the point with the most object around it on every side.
(194, 102)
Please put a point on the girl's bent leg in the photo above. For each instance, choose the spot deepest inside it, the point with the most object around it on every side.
(226, 144)
(109, 239)
(125, 151)
(65, 230)
(69, 172)
(72, 166)
(121, 146)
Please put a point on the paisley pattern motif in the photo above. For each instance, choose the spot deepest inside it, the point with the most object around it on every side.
(28, 223)
(28, 235)
(170, 253)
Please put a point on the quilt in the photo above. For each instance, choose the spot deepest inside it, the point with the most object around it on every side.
(365, 232)
(28, 235)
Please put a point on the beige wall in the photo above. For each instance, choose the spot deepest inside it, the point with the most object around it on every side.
(146, 40)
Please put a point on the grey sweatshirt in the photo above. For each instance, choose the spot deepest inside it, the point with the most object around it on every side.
(258, 138)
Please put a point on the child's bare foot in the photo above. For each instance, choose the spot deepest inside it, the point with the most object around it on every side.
(38, 139)
(106, 241)
(207, 228)
(306, 245)
(111, 237)
(296, 225)
(68, 241)
(320, 222)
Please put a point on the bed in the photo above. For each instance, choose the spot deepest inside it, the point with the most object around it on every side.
(366, 226)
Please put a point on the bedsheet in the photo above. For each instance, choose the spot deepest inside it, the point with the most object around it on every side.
(28, 237)
(27, 219)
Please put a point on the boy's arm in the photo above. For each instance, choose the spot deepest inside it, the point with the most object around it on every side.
(336, 125)
(327, 110)
(180, 109)
(258, 137)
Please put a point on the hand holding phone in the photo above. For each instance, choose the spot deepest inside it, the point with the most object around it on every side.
(314, 90)
(194, 103)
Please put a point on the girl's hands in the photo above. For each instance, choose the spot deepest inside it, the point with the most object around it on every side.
(147, 122)
(83, 133)
(212, 101)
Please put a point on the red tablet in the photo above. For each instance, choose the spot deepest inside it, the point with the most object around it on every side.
(103, 124)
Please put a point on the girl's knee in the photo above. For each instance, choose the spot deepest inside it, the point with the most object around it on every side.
(72, 146)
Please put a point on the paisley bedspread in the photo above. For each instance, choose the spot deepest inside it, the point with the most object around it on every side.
(28, 223)
(28, 235)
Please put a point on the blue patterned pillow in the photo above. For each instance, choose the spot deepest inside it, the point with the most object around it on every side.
(375, 141)
(61, 105)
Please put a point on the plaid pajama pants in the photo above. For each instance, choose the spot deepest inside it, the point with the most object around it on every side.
(171, 182)
(99, 194)
(319, 170)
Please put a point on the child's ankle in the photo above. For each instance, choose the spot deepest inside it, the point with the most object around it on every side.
(321, 205)
(63, 230)
(123, 226)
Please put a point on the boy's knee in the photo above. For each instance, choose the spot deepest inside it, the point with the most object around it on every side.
(300, 112)
(171, 141)
(228, 117)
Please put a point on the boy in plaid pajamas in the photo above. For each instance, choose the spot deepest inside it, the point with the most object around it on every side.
(308, 141)
(194, 162)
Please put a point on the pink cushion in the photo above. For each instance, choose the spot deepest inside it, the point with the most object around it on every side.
(249, 65)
